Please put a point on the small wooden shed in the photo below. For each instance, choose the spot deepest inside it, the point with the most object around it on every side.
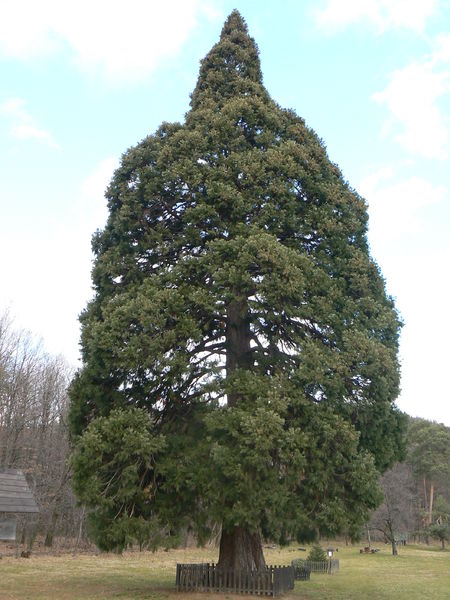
(15, 497)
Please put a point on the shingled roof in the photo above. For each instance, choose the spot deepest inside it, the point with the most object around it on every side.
(15, 495)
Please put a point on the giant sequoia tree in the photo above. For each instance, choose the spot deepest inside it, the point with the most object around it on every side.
(240, 353)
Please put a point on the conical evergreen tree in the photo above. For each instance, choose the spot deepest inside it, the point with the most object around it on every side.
(240, 326)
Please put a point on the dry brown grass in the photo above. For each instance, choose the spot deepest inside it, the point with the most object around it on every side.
(419, 573)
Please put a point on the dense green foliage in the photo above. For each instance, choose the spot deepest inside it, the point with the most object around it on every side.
(440, 529)
(236, 304)
(317, 553)
(429, 450)
(442, 509)
(119, 453)
(440, 532)
(429, 458)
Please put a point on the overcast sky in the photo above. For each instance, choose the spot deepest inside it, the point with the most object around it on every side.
(82, 81)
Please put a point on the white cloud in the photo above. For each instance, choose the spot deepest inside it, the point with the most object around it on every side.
(412, 97)
(423, 348)
(405, 233)
(415, 276)
(25, 28)
(95, 184)
(396, 208)
(380, 14)
(120, 40)
(441, 51)
(90, 209)
(48, 273)
(23, 126)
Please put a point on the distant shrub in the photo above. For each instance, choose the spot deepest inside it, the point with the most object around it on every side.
(316, 554)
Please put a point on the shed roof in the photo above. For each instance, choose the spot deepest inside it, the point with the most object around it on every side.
(15, 495)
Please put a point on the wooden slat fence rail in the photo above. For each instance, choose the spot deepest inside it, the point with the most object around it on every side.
(208, 577)
(301, 573)
(320, 566)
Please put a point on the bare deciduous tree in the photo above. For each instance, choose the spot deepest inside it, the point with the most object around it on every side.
(33, 432)
(398, 512)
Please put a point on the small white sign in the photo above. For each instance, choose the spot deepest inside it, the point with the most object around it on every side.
(8, 530)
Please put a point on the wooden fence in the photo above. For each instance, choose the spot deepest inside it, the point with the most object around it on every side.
(208, 577)
(319, 566)
(301, 573)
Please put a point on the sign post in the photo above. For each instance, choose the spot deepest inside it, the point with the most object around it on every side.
(330, 556)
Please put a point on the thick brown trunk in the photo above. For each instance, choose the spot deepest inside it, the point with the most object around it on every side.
(241, 549)
(238, 342)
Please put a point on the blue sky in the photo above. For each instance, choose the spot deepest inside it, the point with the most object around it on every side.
(83, 81)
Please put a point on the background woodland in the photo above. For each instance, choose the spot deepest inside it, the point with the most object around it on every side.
(34, 437)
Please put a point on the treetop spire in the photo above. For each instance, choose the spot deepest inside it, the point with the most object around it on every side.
(234, 22)
(231, 68)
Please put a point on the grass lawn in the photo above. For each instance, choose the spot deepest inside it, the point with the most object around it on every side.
(418, 573)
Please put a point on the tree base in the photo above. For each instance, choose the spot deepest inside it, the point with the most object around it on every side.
(241, 550)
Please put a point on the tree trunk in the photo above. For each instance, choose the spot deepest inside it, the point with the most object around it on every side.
(430, 516)
(241, 549)
(48, 543)
(238, 342)
(32, 537)
(80, 529)
(425, 493)
(368, 535)
(392, 537)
